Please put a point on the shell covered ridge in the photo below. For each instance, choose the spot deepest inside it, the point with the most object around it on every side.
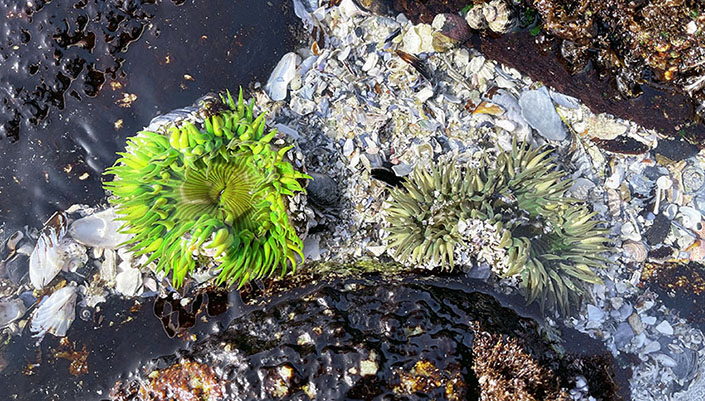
(214, 189)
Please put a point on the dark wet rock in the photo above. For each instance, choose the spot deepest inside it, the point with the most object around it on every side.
(675, 150)
(379, 336)
(81, 51)
(323, 190)
(622, 144)
(425, 11)
(658, 230)
(450, 30)
(665, 38)
(681, 286)
(89, 74)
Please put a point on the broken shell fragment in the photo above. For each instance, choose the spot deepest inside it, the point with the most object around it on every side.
(10, 310)
(55, 313)
(693, 179)
(128, 282)
(689, 217)
(283, 73)
(539, 111)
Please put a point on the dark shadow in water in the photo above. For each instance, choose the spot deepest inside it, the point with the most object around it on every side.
(79, 77)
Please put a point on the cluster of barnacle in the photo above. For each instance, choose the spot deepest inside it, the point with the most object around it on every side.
(217, 190)
(550, 240)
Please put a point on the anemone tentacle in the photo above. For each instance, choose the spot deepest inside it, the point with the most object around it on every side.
(218, 190)
(512, 214)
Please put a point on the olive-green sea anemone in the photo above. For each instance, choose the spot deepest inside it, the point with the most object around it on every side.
(218, 190)
(512, 214)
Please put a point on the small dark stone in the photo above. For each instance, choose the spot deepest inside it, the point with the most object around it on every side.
(323, 190)
(659, 230)
(387, 176)
(622, 144)
(453, 26)
(675, 149)
(661, 253)
(653, 173)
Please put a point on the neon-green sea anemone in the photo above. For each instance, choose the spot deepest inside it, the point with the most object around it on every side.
(512, 214)
(218, 190)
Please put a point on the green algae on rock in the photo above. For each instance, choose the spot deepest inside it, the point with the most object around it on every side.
(512, 214)
(216, 191)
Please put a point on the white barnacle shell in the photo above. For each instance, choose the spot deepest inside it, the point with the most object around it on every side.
(499, 16)
(55, 313)
(54, 252)
(44, 262)
(475, 18)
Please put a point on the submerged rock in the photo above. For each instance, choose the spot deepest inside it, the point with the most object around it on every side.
(372, 337)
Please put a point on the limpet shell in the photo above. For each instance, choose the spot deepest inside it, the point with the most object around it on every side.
(635, 250)
(99, 230)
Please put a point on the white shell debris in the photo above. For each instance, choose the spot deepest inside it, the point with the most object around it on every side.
(55, 313)
(54, 252)
(283, 73)
(128, 282)
(99, 230)
(538, 109)
(10, 310)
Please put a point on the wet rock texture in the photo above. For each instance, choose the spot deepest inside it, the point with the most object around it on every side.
(185, 381)
(607, 53)
(426, 10)
(660, 43)
(373, 339)
(80, 53)
(680, 285)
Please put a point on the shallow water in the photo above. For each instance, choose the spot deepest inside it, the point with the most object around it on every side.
(131, 61)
